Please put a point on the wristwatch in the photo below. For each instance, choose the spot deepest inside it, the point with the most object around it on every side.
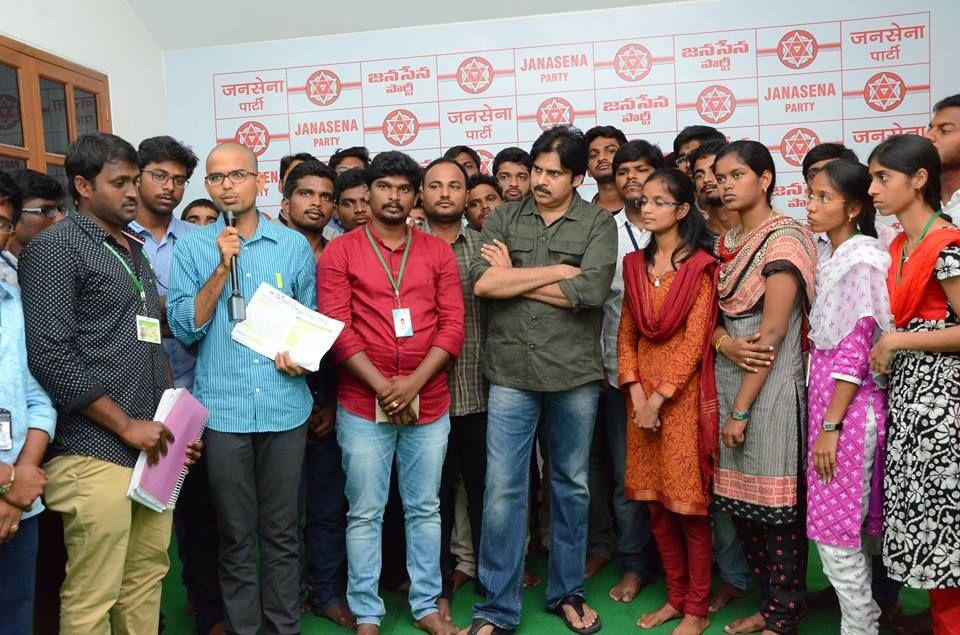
(6, 487)
(829, 426)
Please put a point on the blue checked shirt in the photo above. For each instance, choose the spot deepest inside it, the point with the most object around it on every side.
(243, 390)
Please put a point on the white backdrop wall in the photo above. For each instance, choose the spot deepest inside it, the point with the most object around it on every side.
(790, 76)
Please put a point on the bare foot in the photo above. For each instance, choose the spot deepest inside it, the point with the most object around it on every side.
(588, 619)
(691, 625)
(340, 615)
(459, 579)
(594, 564)
(655, 618)
(626, 590)
(723, 595)
(750, 624)
(435, 625)
(443, 608)
(368, 629)
(530, 579)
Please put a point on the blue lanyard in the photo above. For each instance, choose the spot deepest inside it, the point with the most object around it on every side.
(7, 260)
(636, 247)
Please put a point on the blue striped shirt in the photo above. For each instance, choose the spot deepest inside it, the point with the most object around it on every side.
(243, 390)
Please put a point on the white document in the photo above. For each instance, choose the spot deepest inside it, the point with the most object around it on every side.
(276, 322)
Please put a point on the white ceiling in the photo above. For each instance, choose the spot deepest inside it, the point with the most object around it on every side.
(177, 24)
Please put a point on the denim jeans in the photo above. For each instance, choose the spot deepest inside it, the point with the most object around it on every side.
(324, 535)
(727, 552)
(18, 563)
(511, 426)
(369, 450)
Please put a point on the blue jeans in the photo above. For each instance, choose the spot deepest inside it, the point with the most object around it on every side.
(369, 450)
(512, 418)
(727, 552)
(324, 535)
(18, 564)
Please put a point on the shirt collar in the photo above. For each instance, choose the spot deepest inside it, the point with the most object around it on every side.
(176, 228)
(460, 231)
(574, 212)
(265, 229)
(953, 202)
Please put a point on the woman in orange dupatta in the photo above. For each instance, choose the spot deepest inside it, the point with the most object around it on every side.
(921, 540)
(666, 368)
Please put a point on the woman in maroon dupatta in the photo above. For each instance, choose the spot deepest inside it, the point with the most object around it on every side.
(666, 368)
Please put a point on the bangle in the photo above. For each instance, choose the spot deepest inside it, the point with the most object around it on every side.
(720, 341)
(740, 415)
(6, 487)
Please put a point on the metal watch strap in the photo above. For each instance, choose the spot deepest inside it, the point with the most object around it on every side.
(829, 426)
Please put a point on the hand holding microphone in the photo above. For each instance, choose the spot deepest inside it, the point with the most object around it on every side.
(229, 244)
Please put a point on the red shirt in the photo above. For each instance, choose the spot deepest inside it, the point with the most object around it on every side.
(352, 287)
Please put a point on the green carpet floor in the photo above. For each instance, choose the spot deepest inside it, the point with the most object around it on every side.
(617, 618)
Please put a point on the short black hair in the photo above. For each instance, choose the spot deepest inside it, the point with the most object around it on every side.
(198, 202)
(953, 101)
(703, 134)
(354, 177)
(755, 156)
(638, 150)
(10, 192)
(456, 151)
(90, 152)
(484, 179)
(569, 143)
(511, 155)
(607, 132)
(394, 163)
(288, 159)
(357, 152)
(166, 148)
(441, 160)
(35, 184)
(308, 168)
(826, 152)
(712, 148)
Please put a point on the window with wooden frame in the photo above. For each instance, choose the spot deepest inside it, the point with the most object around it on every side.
(46, 102)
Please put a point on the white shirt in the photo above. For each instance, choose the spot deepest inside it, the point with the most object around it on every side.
(952, 207)
(612, 307)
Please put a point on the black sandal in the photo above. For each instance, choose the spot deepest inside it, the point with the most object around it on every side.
(480, 622)
(577, 603)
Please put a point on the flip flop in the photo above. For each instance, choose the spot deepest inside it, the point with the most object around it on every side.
(577, 603)
(479, 623)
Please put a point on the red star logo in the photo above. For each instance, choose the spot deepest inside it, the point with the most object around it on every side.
(486, 161)
(254, 135)
(555, 111)
(796, 144)
(716, 104)
(400, 127)
(884, 91)
(797, 49)
(633, 62)
(9, 112)
(475, 75)
(323, 87)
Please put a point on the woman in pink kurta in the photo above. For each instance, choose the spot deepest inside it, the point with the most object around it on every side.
(846, 408)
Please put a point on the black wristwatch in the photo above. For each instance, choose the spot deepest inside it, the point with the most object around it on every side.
(828, 426)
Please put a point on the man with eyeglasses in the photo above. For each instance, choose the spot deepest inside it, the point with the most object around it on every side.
(256, 433)
(42, 206)
(691, 138)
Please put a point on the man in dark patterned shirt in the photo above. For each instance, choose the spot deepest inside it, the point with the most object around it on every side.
(93, 336)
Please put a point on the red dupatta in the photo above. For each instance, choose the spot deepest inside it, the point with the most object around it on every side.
(918, 294)
(676, 308)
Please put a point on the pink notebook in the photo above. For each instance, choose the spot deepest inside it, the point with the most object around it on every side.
(158, 486)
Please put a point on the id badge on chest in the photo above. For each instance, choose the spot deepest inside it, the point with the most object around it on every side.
(148, 329)
(6, 430)
(402, 324)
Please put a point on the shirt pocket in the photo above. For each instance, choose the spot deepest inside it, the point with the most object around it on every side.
(521, 251)
(567, 252)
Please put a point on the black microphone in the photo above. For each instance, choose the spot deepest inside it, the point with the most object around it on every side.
(236, 305)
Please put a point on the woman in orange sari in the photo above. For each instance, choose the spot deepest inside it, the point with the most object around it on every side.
(666, 368)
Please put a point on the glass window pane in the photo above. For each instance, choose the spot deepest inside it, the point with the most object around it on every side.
(60, 173)
(8, 164)
(53, 101)
(11, 128)
(86, 106)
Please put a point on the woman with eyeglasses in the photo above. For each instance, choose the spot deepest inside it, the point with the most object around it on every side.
(921, 540)
(765, 287)
(665, 366)
(846, 407)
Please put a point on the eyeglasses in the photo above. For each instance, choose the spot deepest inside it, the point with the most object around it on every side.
(50, 211)
(823, 199)
(6, 227)
(681, 159)
(237, 176)
(160, 178)
(658, 202)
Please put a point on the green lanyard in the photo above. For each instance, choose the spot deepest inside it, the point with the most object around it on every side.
(136, 281)
(903, 248)
(403, 262)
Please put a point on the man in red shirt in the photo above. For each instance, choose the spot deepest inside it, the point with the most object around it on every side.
(397, 290)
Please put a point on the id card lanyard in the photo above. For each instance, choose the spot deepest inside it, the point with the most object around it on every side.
(148, 328)
(636, 246)
(402, 324)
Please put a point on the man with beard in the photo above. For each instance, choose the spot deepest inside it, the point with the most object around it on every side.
(352, 197)
(307, 203)
(398, 292)
(483, 196)
(691, 138)
(511, 168)
(603, 142)
(719, 218)
(944, 132)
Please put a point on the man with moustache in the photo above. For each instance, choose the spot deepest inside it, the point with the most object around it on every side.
(92, 318)
(256, 433)
(511, 168)
(43, 206)
(944, 132)
(603, 142)
(719, 218)
(352, 197)
(398, 292)
(546, 265)
(308, 202)
(444, 194)
(483, 196)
